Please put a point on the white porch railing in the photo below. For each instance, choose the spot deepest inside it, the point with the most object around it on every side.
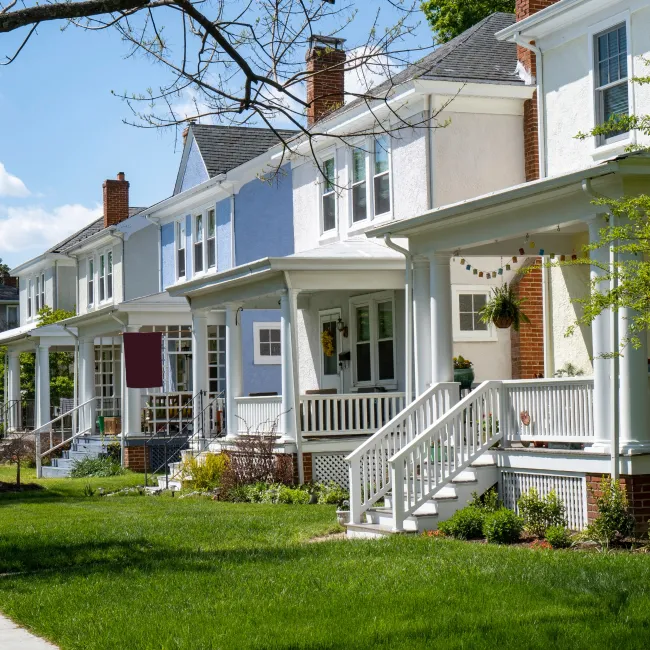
(258, 414)
(370, 478)
(555, 409)
(358, 413)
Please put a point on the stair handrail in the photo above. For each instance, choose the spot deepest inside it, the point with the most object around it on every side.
(469, 451)
(359, 500)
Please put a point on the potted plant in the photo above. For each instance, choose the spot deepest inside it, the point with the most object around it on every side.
(463, 371)
(504, 308)
(343, 513)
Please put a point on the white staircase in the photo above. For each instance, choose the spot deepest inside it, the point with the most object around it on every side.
(86, 446)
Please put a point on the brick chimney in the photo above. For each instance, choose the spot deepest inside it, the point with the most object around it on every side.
(524, 9)
(116, 200)
(325, 82)
(9, 281)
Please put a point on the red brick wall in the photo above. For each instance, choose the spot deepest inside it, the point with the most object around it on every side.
(116, 200)
(638, 496)
(325, 82)
(134, 458)
(306, 466)
(527, 345)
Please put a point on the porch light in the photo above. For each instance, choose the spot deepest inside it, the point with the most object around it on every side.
(342, 327)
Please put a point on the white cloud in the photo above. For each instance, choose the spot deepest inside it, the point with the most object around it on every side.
(33, 229)
(367, 70)
(11, 185)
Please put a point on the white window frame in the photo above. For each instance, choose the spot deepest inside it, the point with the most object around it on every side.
(601, 145)
(388, 214)
(37, 294)
(16, 322)
(109, 275)
(489, 335)
(105, 281)
(180, 244)
(258, 359)
(101, 277)
(330, 154)
(328, 313)
(207, 266)
(372, 300)
(30, 299)
(43, 303)
(200, 214)
(363, 148)
(90, 281)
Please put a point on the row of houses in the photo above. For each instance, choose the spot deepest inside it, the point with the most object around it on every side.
(329, 295)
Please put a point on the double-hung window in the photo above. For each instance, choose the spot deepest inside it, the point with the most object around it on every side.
(91, 281)
(30, 289)
(102, 278)
(199, 234)
(359, 186)
(180, 249)
(374, 345)
(381, 178)
(12, 316)
(328, 195)
(109, 274)
(611, 74)
(42, 290)
(212, 238)
(38, 293)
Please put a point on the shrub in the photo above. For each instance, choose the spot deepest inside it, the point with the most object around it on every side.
(101, 466)
(331, 493)
(541, 512)
(488, 501)
(502, 526)
(205, 472)
(292, 495)
(464, 524)
(558, 536)
(114, 451)
(614, 520)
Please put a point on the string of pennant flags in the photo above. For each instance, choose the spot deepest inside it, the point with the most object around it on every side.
(528, 243)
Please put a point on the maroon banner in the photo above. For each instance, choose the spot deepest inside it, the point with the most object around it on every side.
(143, 358)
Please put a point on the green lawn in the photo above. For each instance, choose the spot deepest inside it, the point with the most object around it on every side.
(130, 573)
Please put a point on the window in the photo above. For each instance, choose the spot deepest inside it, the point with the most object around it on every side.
(198, 243)
(381, 181)
(30, 288)
(217, 358)
(38, 293)
(12, 316)
(102, 278)
(109, 275)
(374, 347)
(180, 249)
(329, 195)
(42, 290)
(359, 186)
(268, 344)
(467, 303)
(91, 281)
(611, 78)
(212, 239)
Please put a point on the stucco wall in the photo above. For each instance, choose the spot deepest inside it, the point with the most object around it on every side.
(167, 243)
(141, 263)
(569, 88)
(258, 378)
(476, 154)
(264, 218)
(67, 291)
(83, 280)
(195, 171)
(224, 234)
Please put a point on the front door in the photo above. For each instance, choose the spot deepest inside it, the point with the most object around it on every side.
(329, 361)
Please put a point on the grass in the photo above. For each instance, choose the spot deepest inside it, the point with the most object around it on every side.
(166, 573)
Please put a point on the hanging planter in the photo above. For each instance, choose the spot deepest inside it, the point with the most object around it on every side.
(504, 309)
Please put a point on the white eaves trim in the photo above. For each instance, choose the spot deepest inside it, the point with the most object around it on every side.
(470, 89)
(39, 263)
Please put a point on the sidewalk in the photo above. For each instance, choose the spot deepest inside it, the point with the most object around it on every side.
(13, 637)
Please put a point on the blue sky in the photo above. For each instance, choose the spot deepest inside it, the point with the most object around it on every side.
(62, 134)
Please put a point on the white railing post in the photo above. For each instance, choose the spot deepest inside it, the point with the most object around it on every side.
(504, 415)
(397, 476)
(37, 451)
(355, 492)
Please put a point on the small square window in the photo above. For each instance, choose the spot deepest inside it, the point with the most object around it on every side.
(267, 343)
(468, 302)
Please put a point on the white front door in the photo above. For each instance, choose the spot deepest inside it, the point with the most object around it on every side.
(329, 360)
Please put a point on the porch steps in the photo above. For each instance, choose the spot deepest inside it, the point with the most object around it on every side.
(479, 477)
(83, 447)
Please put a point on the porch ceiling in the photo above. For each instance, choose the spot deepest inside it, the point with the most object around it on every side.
(482, 225)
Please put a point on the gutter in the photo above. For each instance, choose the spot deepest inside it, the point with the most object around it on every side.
(541, 116)
(408, 309)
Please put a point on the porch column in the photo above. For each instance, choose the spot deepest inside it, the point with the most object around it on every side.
(13, 391)
(633, 385)
(234, 376)
(288, 418)
(422, 318)
(42, 385)
(87, 383)
(133, 406)
(200, 357)
(600, 340)
(442, 367)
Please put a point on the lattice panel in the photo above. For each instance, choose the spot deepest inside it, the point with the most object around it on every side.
(571, 489)
(330, 467)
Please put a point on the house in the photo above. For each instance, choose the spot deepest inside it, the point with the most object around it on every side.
(581, 56)
(9, 303)
(340, 286)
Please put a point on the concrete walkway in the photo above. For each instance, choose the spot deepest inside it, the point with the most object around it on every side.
(13, 637)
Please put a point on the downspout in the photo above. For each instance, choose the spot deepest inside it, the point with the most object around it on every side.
(541, 116)
(408, 310)
(614, 397)
(157, 223)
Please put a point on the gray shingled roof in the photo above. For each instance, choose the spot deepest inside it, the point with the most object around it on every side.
(225, 147)
(83, 234)
(8, 293)
(474, 56)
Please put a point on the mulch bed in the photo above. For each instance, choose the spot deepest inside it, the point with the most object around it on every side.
(24, 487)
